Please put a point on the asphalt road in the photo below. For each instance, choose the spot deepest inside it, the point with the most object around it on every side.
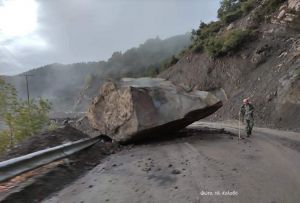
(205, 167)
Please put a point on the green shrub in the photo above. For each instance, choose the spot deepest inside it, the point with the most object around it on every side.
(227, 7)
(88, 80)
(232, 16)
(22, 119)
(173, 60)
(229, 42)
(232, 10)
(206, 37)
(234, 40)
(247, 6)
(151, 72)
(168, 63)
(213, 47)
(5, 141)
(182, 53)
(204, 32)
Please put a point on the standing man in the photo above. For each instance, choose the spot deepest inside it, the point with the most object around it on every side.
(246, 111)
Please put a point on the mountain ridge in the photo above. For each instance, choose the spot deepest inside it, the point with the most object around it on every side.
(66, 86)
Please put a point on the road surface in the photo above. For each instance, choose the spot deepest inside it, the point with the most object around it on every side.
(204, 167)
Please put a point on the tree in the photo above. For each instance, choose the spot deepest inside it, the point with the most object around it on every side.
(23, 119)
(8, 105)
(230, 11)
(227, 6)
(88, 80)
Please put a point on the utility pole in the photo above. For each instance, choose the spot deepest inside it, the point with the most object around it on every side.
(28, 96)
(27, 87)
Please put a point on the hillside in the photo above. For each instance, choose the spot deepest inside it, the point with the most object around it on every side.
(70, 87)
(253, 52)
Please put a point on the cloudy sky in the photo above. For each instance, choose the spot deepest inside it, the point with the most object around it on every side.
(39, 32)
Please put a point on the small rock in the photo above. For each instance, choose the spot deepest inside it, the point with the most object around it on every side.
(229, 27)
(281, 14)
(170, 165)
(90, 186)
(90, 164)
(146, 169)
(269, 97)
(282, 54)
(175, 171)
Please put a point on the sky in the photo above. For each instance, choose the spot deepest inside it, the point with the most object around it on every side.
(34, 33)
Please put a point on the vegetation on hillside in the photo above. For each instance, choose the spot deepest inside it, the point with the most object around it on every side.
(22, 118)
(231, 10)
(150, 58)
(213, 39)
(227, 43)
(154, 70)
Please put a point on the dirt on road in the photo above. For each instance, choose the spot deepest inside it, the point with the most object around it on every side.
(196, 167)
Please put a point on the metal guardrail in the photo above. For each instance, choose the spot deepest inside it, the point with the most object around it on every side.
(16, 166)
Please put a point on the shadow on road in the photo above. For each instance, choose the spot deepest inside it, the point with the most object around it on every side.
(201, 134)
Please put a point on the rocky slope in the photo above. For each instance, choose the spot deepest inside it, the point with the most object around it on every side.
(267, 69)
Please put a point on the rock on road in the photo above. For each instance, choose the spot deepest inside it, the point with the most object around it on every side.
(211, 167)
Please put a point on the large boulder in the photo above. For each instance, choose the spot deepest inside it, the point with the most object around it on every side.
(133, 109)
